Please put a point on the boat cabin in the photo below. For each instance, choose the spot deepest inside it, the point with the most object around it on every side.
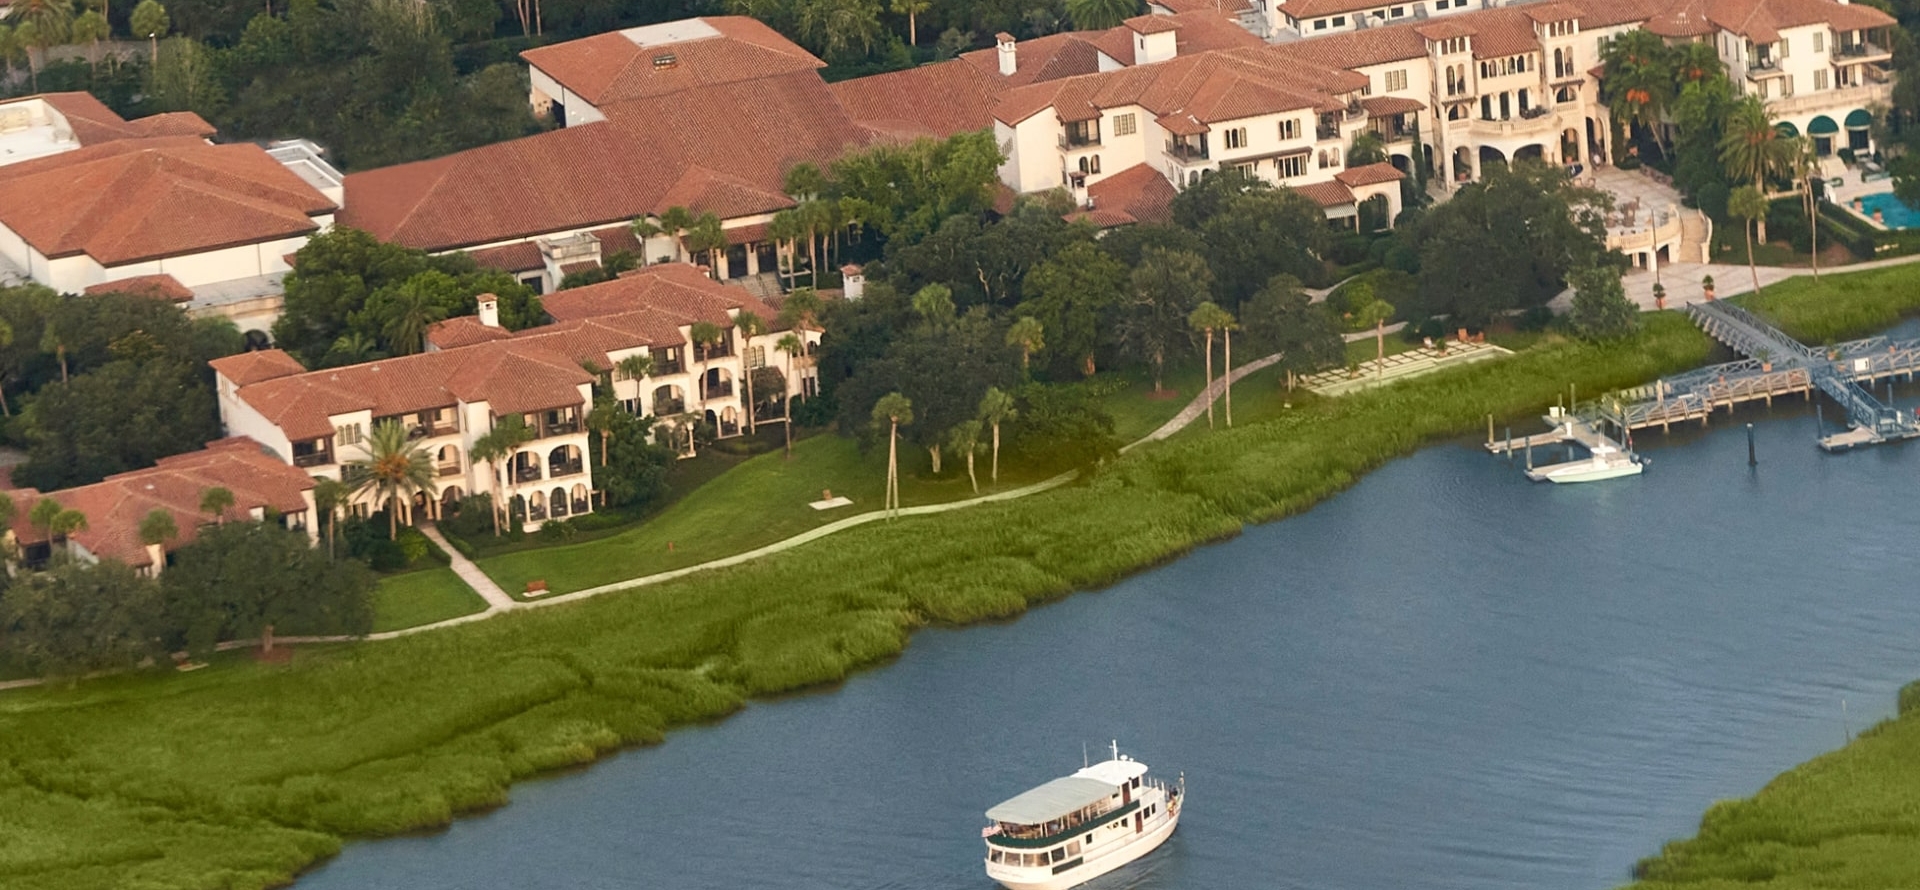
(1056, 823)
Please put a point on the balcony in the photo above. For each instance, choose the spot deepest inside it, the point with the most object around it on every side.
(563, 428)
(1764, 68)
(1541, 122)
(568, 468)
(1071, 142)
(1327, 131)
(1186, 153)
(1836, 100)
(524, 474)
(662, 368)
(716, 391)
(313, 459)
(664, 407)
(1850, 53)
(449, 469)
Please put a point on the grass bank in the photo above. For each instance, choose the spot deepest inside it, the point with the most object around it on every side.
(1840, 306)
(423, 597)
(240, 774)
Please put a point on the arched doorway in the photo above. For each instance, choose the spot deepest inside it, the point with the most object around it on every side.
(1570, 146)
(1534, 152)
(450, 498)
(557, 503)
(717, 383)
(1462, 164)
(669, 400)
(582, 503)
(1822, 129)
(1491, 157)
(536, 506)
(564, 460)
(1859, 123)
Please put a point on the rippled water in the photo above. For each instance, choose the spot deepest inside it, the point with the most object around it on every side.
(1447, 677)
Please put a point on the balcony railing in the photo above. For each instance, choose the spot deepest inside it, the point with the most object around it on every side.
(1070, 141)
(565, 427)
(526, 474)
(1537, 111)
(665, 367)
(570, 468)
(1327, 131)
(449, 469)
(716, 390)
(316, 459)
(1186, 153)
(664, 407)
(1860, 51)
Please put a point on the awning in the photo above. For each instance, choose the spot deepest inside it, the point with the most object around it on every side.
(1051, 801)
(1859, 119)
(1823, 126)
(1786, 129)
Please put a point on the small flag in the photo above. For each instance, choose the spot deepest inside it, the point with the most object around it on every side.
(990, 830)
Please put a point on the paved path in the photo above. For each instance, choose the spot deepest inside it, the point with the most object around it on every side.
(468, 572)
(1200, 402)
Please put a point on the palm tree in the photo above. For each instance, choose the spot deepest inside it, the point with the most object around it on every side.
(52, 341)
(792, 345)
(636, 368)
(1207, 318)
(786, 228)
(934, 304)
(675, 222)
(1099, 15)
(215, 502)
(601, 420)
(12, 50)
(835, 26)
(800, 311)
(156, 529)
(41, 24)
(1753, 149)
(750, 326)
(705, 334)
(996, 407)
(965, 438)
(91, 27)
(912, 9)
(643, 229)
(150, 19)
(412, 313)
(1806, 168)
(896, 411)
(351, 349)
(1747, 203)
(394, 469)
(44, 512)
(6, 340)
(329, 495)
(498, 444)
(1029, 335)
(705, 236)
(65, 523)
(1226, 361)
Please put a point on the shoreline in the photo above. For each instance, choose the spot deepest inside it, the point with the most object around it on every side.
(408, 736)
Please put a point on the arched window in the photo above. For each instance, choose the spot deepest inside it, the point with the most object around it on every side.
(536, 506)
(581, 504)
(557, 502)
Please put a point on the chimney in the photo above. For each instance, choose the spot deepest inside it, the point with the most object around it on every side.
(852, 282)
(1154, 39)
(1009, 58)
(489, 310)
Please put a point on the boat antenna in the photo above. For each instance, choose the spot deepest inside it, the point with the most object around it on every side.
(1116, 749)
(1084, 762)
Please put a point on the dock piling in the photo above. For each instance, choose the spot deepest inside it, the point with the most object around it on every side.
(1752, 461)
(1509, 444)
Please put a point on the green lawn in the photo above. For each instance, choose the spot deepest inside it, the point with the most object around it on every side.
(762, 500)
(423, 597)
(1137, 411)
(1840, 305)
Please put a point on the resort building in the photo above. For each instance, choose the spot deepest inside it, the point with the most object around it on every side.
(93, 203)
(263, 488)
(476, 373)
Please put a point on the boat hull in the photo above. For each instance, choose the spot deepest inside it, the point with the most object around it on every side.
(1596, 474)
(1142, 844)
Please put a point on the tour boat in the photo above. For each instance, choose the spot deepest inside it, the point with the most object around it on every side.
(1081, 826)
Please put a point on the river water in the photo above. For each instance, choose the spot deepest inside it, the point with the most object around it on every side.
(1446, 677)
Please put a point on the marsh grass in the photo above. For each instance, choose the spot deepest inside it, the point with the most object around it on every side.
(1840, 306)
(236, 775)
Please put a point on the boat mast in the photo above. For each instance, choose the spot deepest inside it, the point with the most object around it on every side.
(1116, 749)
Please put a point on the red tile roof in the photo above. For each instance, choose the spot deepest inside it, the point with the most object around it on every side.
(159, 287)
(512, 377)
(937, 100)
(1135, 195)
(675, 56)
(726, 153)
(1151, 24)
(1384, 105)
(93, 122)
(115, 506)
(1370, 174)
(463, 330)
(676, 289)
(252, 367)
(524, 256)
(130, 200)
(1326, 194)
(1210, 87)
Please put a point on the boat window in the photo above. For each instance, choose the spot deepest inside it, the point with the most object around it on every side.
(1059, 855)
(1136, 782)
(993, 855)
(1073, 848)
(1089, 839)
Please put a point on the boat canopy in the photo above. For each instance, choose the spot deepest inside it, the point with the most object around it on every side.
(1052, 801)
(1114, 772)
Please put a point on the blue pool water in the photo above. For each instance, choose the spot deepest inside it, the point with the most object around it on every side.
(1893, 213)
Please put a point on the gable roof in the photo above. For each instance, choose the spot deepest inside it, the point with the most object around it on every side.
(676, 290)
(1210, 87)
(129, 200)
(1135, 195)
(656, 60)
(93, 122)
(1370, 174)
(253, 367)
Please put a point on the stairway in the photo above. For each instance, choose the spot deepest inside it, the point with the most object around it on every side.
(1696, 235)
(765, 286)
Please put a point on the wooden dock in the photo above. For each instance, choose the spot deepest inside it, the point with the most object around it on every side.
(1568, 428)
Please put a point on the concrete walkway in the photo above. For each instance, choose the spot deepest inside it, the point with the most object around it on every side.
(1200, 402)
(468, 572)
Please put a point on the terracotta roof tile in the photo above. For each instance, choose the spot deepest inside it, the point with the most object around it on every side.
(1370, 174)
(618, 66)
(463, 330)
(1138, 193)
(1326, 194)
(159, 287)
(1151, 24)
(1378, 106)
(523, 256)
(938, 100)
(130, 200)
(252, 367)
(115, 506)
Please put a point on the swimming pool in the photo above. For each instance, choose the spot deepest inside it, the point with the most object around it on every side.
(1893, 213)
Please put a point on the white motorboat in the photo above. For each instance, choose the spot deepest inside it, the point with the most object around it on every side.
(1607, 462)
(1081, 826)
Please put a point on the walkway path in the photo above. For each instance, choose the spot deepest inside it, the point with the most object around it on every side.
(468, 572)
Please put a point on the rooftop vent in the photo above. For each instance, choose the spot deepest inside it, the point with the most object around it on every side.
(664, 61)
